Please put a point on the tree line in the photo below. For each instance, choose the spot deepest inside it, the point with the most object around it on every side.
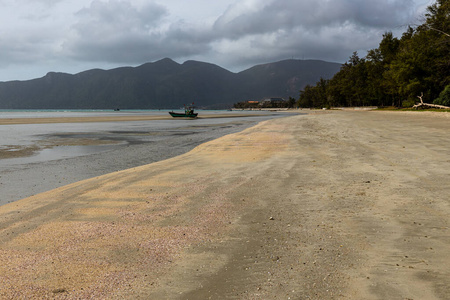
(395, 73)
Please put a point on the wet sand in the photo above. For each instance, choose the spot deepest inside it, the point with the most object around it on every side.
(50, 120)
(331, 205)
(51, 155)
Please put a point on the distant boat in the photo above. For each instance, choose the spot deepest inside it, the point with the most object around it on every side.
(188, 113)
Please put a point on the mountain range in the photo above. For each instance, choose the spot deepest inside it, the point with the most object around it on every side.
(164, 84)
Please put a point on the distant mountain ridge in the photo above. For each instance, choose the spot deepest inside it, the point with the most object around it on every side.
(164, 84)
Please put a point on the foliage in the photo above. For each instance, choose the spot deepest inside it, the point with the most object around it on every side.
(396, 72)
(444, 97)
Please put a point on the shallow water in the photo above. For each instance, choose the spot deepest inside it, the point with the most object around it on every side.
(56, 153)
(135, 143)
(29, 134)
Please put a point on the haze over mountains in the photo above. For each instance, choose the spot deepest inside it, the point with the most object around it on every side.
(164, 84)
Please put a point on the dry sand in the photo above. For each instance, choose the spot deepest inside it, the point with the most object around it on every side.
(333, 205)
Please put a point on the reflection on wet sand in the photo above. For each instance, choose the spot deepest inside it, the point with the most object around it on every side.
(54, 148)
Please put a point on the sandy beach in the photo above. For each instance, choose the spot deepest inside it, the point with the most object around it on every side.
(332, 205)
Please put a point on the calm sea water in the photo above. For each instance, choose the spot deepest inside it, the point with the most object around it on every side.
(46, 113)
(31, 134)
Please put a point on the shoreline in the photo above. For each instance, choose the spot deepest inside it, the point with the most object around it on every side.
(56, 156)
(54, 120)
(329, 205)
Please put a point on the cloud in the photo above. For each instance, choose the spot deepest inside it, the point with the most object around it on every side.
(115, 31)
(246, 18)
(118, 31)
(235, 34)
(325, 29)
(30, 36)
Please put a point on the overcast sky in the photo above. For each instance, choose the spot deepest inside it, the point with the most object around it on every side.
(38, 36)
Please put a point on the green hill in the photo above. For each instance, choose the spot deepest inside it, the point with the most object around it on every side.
(163, 84)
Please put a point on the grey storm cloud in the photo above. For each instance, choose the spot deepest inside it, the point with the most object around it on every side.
(314, 15)
(114, 30)
(119, 31)
(243, 33)
(330, 30)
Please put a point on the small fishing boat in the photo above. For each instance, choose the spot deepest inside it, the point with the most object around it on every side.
(188, 113)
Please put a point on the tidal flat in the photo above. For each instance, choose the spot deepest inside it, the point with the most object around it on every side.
(335, 204)
(38, 155)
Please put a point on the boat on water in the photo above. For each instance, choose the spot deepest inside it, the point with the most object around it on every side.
(188, 113)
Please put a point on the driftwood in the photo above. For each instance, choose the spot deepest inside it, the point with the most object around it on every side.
(426, 105)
